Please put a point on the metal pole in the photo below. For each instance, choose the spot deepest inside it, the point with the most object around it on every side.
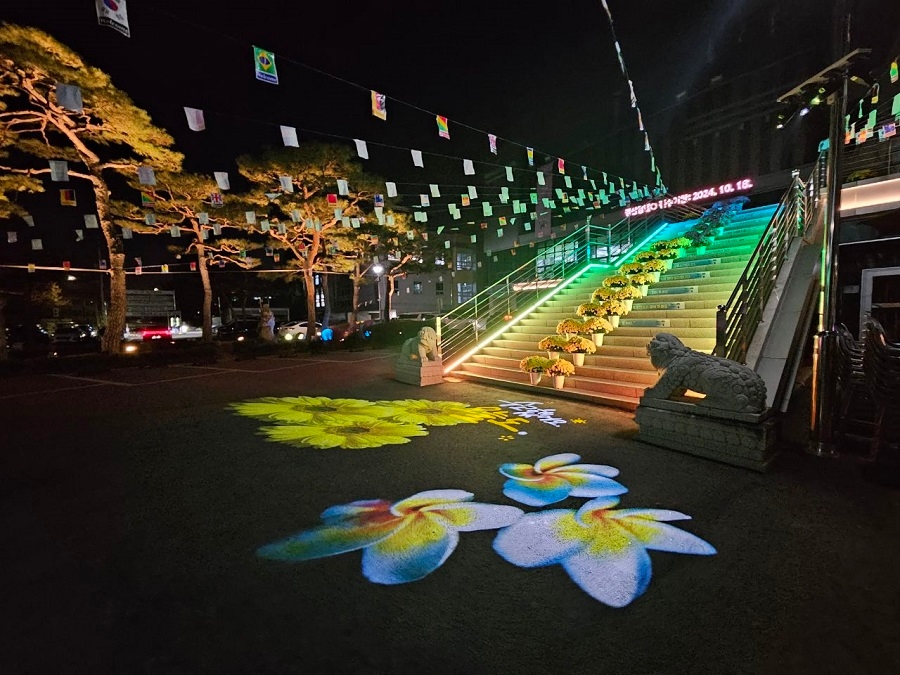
(824, 382)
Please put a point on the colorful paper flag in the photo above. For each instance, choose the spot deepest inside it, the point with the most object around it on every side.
(379, 105)
(378, 201)
(417, 158)
(530, 152)
(138, 270)
(894, 72)
(113, 14)
(216, 199)
(502, 220)
(264, 63)
(362, 150)
(465, 200)
(193, 266)
(103, 264)
(59, 171)
(561, 165)
(468, 167)
(31, 268)
(492, 143)
(194, 117)
(69, 97)
(332, 198)
(164, 269)
(890, 129)
(222, 180)
(289, 137)
(424, 201)
(146, 175)
(443, 129)
(67, 198)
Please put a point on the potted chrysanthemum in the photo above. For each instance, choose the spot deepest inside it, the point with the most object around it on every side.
(590, 309)
(598, 327)
(617, 281)
(642, 282)
(560, 370)
(578, 346)
(627, 295)
(668, 255)
(553, 345)
(630, 269)
(613, 310)
(645, 256)
(535, 366)
(568, 327)
(654, 268)
(603, 293)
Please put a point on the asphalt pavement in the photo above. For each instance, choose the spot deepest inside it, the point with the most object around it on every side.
(151, 526)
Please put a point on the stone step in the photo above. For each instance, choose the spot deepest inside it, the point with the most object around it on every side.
(703, 263)
(699, 313)
(702, 344)
(664, 292)
(650, 331)
(591, 369)
(574, 382)
(601, 359)
(666, 322)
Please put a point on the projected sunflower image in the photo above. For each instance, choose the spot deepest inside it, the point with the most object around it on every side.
(322, 422)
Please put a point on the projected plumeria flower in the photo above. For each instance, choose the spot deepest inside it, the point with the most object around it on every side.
(556, 477)
(309, 409)
(404, 541)
(434, 413)
(604, 551)
(353, 433)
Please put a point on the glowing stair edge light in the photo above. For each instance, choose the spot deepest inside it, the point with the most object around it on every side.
(481, 345)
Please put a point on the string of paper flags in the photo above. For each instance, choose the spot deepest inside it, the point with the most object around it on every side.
(877, 113)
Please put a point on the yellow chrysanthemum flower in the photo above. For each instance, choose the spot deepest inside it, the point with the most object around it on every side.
(309, 409)
(352, 434)
(433, 413)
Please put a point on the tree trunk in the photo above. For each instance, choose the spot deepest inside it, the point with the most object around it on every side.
(389, 300)
(356, 278)
(207, 292)
(4, 348)
(309, 282)
(118, 298)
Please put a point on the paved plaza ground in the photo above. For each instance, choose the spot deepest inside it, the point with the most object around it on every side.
(133, 504)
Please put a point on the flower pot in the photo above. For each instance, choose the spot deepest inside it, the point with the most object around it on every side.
(535, 377)
(597, 338)
(613, 319)
(559, 381)
(681, 252)
(553, 355)
(629, 303)
(578, 359)
(643, 288)
(699, 250)
(717, 231)
(654, 276)
(668, 263)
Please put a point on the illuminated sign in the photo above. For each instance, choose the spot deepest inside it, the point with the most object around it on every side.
(723, 190)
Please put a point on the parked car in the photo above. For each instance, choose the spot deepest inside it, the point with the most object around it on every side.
(297, 330)
(27, 340)
(240, 330)
(74, 333)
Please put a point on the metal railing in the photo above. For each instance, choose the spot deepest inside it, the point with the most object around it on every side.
(738, 319)
(536, 280)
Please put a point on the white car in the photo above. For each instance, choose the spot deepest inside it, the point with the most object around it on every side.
(297, 330)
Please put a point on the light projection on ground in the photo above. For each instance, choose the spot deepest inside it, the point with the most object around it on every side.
(401, 542)
(553, 479)
(354, 424)
(604, 550)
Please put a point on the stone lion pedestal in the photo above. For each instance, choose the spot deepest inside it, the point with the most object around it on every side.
(727, 422)
(420, 361)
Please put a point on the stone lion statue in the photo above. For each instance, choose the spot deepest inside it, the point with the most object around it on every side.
(727, 384)
(424, 346)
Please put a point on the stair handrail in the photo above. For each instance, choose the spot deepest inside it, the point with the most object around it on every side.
(738, 319)
(531, 283)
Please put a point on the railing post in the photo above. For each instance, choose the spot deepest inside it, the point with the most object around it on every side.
(721, 326)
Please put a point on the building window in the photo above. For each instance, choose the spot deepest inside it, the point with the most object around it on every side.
(439, 288)
(464, 292)
(417, 287)
(320, 292)
(464, 260)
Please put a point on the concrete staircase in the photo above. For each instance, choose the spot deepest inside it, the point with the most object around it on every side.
(683, 303)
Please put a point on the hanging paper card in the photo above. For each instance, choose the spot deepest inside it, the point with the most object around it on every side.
(287, 184)
(362, 150)
(391, 189)
(504, 194)
(894, 72)
(457, 215)
(37, 245)
(509, 174)
(175, 231)
(343, 187)
(890, 129)
(250, 216)
(465, 200)
(528, 227)
(338, 213)
(499, 232)
(473, 193)
(138, 270)
(11, 237)
(502, 220)
(147, 200)
(420, 217)
(264, 225)
(561, 165)
(530, 152)
(146, 175)
(126, 233)
(435, 190)
(440, 229)
(487, 209)
(282, 228)
(378, 200)
(67, 198)
(332, 198)
(379, 215)
(193, 266)
(150, 218)
(447, 244)
(424, 201)
(417, 158)
(216, 199)
(69, 97)
(533, 196)
(289, 137)
(28, 220)
(379, 105)
(59, 171)
(204, 234)
(559, 193)
(443, 129)
(203, 218)
(295, 215)
(114, 15)
(473, 238)
(568, 181)
(452, 208)
(646, 142)
(354, 222)
(264, 63)
(468, 167)
(546, 202)
(194, 118)
(222, 180)
(540, 178)
(90, 221)
(492, 143)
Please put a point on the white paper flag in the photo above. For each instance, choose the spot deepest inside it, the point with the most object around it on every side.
(251, 217)
(504, 194)
(435, 190)
(29, 220)
(345, 221)
(126, 233)
(509, 174)
(487, 209)
(473, 238)
(264, 225)
(194, 118)
(343, 187)
(222, 180)
(452, 208)
(391, 189)
(289, 137)
(90, 222)
(150, 218)
(354, 222)
(457, 215)
(217, 229)
(146, 175)
(417, 158)
(204, 234)
(175, 231)
(473, 193)
(203, 218)
(568, 180)
(361, 148)
(540, 178)
(287, 184)
(338, 213)
(295, 215)
(59, 171)
(11, 237)
(79, 235)
(468, 167)
(282, 228)
(69, 97)
(37, 245)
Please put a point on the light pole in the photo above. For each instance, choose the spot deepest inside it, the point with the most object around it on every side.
(378, 270)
